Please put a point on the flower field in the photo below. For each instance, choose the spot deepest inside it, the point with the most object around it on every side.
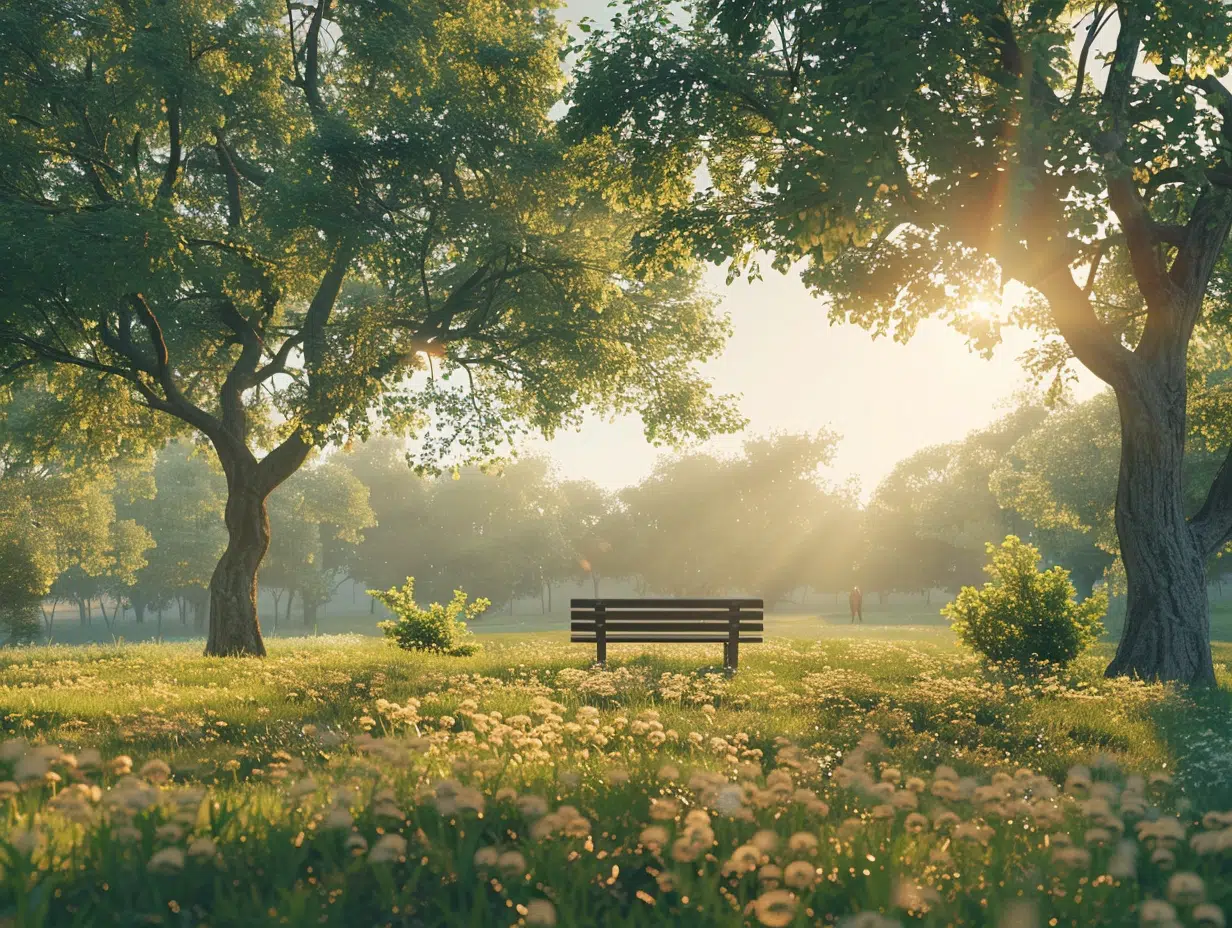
(851, 781)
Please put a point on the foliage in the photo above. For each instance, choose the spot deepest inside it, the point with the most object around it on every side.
(577, 771)
(63, 528)
(288, 228)
(1017, 168)
(599, 533)
(436, 628)
(508, 528)
(23, 583)
(1022, 616)
(184, 515)
(929, 520)
(1062, 475)
(752, 522)
(915, 197)
(317, 521)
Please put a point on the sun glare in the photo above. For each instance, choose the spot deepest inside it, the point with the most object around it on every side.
(989, 310)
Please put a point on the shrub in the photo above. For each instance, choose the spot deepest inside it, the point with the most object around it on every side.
(436, 628)
(1023, 616)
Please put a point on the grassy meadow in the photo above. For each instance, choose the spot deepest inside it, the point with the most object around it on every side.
(865, 777)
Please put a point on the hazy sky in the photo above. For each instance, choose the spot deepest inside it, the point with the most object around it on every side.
(795, 372)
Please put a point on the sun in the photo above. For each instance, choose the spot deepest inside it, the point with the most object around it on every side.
(989, 311)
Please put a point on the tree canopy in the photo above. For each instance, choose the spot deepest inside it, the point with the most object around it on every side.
(1078, 149)
(283, 227)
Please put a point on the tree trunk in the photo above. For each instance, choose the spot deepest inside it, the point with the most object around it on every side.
(290, 599)
(49, 615)
(81, 610)
(201, 608)
(138, 608)
(594, 581)
(310, 611)
(277, 595)
(371, 605)
(1167, 621)
(102, 607)
(234, 629)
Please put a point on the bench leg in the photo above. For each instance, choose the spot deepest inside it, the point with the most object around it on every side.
(731, 650)
(601, 647)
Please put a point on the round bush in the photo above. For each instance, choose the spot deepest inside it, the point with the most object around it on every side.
(1024, 616)
(436, 628)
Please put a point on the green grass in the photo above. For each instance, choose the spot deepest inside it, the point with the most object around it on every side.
(343, 617)
(277, 800)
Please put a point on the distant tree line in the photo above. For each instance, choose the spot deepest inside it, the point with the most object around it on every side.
(142, 534)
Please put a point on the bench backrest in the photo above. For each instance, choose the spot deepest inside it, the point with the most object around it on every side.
(677, 617)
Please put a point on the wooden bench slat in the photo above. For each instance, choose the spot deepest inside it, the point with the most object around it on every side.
(666, 603)
(655, 615)
(626, 625)
(729, 622)
(647, 639)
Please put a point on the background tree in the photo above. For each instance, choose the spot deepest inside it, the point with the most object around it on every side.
(184, 516)
(28, 563)
(1062, 477)
(499, 528)
(399, 499)
(777, 495)
(706, 524)
(231, 211)
(598, 533)
(317, 514)
(930, 519)
(1008, 146)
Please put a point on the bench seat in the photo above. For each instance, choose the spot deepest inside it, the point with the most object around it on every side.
(729, 622)
(651, 639)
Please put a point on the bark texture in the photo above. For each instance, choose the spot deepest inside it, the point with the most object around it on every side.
(1167, 620)
(234, 627)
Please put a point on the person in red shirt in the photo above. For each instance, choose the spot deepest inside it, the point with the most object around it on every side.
(856, 600)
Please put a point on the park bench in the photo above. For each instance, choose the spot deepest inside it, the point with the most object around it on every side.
(730, 622)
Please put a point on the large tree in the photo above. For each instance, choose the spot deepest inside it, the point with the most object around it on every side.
(278, 223)
(920, 154)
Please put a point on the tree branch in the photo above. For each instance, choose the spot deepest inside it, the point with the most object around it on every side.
(176, 403)
(240, 377)
(312, 46)
(1220, 97)
(1121, 71)
(322, 305)
(1200, 244)
(1099, 19)
(1212, 524)
(235, 207)
(167, 186)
